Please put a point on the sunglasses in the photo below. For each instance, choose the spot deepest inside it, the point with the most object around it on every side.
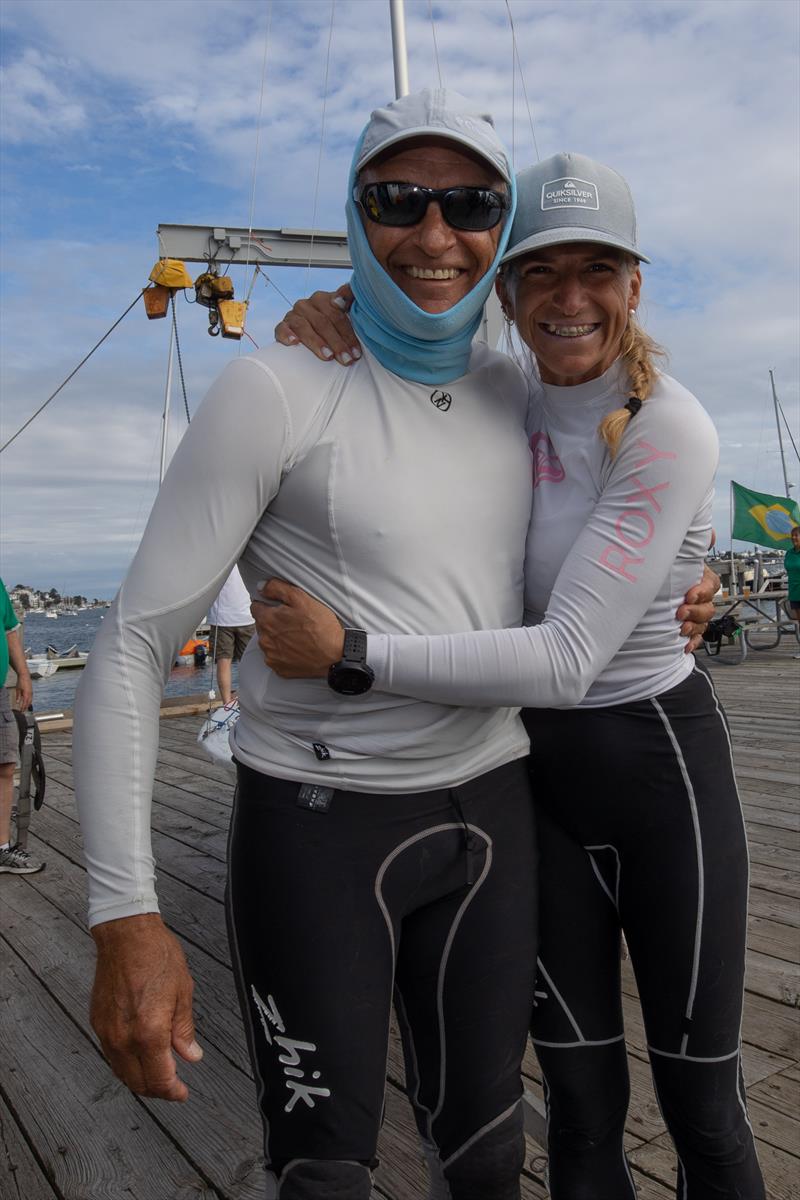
(469, 208)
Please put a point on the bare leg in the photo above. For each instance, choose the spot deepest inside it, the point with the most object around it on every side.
(224, 679)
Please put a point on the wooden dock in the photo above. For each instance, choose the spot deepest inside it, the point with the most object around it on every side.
(70, 1131)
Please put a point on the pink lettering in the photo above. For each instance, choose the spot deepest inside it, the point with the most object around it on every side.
(652, 454)
(627, 538)
(647, 493)
(620, 566)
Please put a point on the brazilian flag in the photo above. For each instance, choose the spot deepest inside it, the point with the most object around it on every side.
(763, 519)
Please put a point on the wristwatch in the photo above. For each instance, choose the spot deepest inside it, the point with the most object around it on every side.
(351, 676)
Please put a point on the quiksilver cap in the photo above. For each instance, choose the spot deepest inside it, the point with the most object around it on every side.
(435, 112)
(571, 198)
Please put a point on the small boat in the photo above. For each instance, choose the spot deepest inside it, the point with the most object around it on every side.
(51, 614)
(194, 653)
(41, 667)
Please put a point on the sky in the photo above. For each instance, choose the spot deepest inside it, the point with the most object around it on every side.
(118, 115)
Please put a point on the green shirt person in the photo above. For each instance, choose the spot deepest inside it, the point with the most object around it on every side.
(13, 859)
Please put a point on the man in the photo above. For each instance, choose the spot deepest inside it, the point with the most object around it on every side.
(14, 860)
(231, 630)
(375, 840)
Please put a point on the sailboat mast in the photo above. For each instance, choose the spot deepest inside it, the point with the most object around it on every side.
(786, 483)
(399, 51)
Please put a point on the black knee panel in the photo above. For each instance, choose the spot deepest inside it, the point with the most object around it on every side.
(325, 1179)
(488, 1167)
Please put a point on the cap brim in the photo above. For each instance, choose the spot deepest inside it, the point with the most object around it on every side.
(427, 131)
(578, 233)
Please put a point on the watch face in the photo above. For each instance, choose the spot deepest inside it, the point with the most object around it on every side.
(350, 681)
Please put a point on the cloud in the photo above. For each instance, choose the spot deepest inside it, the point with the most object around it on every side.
(35, 107)
(123, 115)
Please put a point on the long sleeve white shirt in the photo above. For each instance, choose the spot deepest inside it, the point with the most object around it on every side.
(613, 546)
(404, 507)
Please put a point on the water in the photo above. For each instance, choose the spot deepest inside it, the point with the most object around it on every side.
(58, 692)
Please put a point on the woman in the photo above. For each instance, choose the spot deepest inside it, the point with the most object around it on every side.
(641, 827)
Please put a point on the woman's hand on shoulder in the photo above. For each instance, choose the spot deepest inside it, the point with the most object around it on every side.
(321, 324)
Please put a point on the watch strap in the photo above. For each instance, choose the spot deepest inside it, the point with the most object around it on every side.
(355, 646)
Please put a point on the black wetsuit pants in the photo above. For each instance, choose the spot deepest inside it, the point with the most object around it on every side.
(641, 829)
(334, 902)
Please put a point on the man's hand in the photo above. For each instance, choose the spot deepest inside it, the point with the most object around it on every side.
(321, 324)
(698, 608)
(299, 636)
(23, 692)
(142, 1005)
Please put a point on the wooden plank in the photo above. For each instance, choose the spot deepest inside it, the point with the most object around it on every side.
(774, 1127)
(774, 879)
(773, 977)
(773, 937)
(779, 1168)
(781, 1173)
(756, 816)
(781, 1092)
(182, 907)
(769, 856)
(218, 1126)
(774, 907)
(92, 1136)
(772, 1026)
(21, 1176)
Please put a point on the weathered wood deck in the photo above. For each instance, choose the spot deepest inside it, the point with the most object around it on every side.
(68, 1130)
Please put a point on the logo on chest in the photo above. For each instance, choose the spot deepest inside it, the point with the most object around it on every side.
(546, 463)
(441, 400)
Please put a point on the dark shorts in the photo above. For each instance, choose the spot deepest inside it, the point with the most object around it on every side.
(229, 641)
(9, 737)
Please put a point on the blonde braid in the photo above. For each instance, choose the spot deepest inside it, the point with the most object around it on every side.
(637, 350)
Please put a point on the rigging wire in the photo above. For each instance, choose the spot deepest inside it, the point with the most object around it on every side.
(522, 80)
(257, 153)
(788, 430)
(180, 360)
(96, 346)
(271, 282)
(321, 140)
(435, 46)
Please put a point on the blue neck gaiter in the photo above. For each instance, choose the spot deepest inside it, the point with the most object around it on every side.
(424, 347)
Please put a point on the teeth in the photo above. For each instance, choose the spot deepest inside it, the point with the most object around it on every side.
(428, 273)
(570, 330)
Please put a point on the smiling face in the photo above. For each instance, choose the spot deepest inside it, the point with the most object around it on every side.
(434, 264)
(570, 304)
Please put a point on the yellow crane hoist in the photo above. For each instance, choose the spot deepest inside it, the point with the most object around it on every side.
(213, 291)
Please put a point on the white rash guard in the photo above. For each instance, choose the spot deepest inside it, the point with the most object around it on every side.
(613, 547)
(402, 505)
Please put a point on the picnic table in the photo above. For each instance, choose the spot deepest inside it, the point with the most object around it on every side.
(761, 619)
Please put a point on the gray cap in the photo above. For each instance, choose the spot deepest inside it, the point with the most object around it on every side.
(434, 112)
(571, 198)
